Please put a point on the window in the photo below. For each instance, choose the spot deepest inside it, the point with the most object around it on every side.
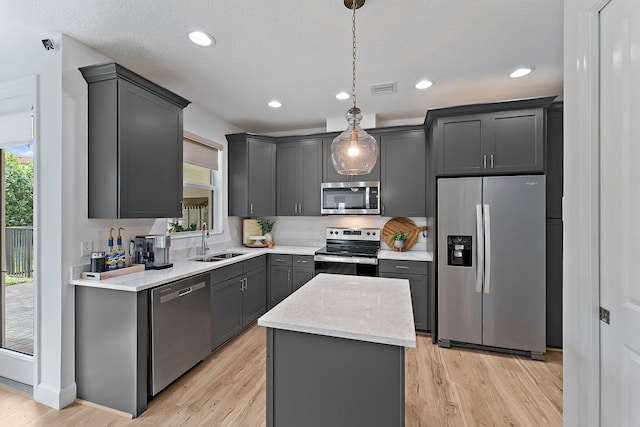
(201, 199)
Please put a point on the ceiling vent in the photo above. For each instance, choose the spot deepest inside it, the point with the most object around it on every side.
(383, 88)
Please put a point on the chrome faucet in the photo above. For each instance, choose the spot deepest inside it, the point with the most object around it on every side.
(204, 248)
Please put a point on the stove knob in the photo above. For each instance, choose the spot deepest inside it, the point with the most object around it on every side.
(368, 233)
(374, 233)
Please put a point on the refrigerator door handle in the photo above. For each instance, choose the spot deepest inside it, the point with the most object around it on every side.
(487, 249)
(480, 249)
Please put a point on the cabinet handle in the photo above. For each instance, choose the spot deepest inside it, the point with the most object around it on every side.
(288, 276)
(402, 267)
(491, 161)
(484, 161)
(302, 262)
(250, 208)
(242, 285)
(300, 209)
(246, 283)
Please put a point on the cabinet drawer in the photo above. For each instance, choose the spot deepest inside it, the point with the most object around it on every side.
(401, 266)
(219, 275)
(303, 261)
(277, 259)
(254, 263)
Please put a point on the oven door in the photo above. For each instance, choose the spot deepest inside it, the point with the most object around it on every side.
(334, 264)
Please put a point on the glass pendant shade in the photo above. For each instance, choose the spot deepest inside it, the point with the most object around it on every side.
(354, 151)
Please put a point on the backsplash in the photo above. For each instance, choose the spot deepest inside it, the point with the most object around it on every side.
(310, 231)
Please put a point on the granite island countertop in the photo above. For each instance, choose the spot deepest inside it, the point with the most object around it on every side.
(372, 309)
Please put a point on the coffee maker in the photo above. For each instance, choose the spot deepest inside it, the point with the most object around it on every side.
(152, 251)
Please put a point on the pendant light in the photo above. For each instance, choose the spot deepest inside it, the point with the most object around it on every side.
(354, 151)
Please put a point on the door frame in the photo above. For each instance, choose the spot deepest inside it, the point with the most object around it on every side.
(14, 365)
(581, 206)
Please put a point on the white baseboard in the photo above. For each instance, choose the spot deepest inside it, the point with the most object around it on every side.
(54, 397)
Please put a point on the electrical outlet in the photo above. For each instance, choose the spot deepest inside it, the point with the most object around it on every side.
(86, 248)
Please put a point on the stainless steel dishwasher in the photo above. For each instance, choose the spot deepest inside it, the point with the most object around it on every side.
(180, 329)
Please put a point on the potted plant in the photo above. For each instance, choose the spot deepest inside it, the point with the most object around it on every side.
(398, 239)
(267, 225)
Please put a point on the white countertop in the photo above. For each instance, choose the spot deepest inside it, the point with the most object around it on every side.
(184, 268)
(406, 255)
(372, 309)
(181, 269)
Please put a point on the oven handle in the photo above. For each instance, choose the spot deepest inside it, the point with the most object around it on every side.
(346, 259)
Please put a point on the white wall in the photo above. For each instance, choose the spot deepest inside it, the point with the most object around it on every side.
(581, 399)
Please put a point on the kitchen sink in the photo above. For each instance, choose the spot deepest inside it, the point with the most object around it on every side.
(217, 257)
(226, 255)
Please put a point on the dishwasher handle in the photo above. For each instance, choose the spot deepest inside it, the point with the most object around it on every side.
(181, 292)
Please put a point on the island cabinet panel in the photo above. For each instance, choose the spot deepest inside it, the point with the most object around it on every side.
(329, 173)
(112, 336)
(491, 143)
(252, 175)
(135, 145)
(299, 175)
(316, 380)
(287, 274)
(238, 297)
(403, 173)
(416, 273)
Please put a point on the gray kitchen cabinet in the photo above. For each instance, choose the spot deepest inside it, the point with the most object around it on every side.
(238, 297)
(134, 146)
(403, 173)
(287, 273)
(416, 273)
(329, 173)
(489, 139)
(252, 175)
(491, 143)
(226, 310)
(299, 175)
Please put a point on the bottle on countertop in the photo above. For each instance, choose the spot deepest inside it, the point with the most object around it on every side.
(121, 258)
(111, 260)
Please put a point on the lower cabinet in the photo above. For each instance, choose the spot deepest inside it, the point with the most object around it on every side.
(238, 297)
(416, 273)
(287, 273)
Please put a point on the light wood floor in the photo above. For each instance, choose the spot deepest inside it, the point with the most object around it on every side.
(444, 387)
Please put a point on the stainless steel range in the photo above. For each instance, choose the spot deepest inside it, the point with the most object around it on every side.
(351, 251)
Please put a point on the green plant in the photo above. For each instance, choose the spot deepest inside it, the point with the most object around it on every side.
(266, 225)
(19, 191)
(399, 235)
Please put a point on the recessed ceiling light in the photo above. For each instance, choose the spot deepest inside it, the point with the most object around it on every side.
(275, 104)
(342, 96)
(201, 38)
(521, 72)
(424, 84)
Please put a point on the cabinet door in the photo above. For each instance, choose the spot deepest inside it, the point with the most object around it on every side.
(254, 296)
(226, 311)
(515, 141)
(262, 178)
(309, 176)
(419, 297)
(554, 158)
(150, 154)
(287, 182)
(279, 284)
(403, 174)
(554, 283)
(301, 276)
(329, 173)
(459, 145)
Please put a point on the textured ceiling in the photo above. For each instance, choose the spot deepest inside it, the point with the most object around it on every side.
(299, 52)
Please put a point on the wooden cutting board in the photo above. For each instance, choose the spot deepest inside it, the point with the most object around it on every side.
(402, 224)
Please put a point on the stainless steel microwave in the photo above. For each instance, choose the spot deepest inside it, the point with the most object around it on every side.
(350, 198)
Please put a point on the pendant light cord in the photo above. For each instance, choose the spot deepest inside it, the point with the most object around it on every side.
(353, 81)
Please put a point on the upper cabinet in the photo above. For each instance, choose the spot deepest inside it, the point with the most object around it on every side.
(299, 175)
(329, 173)
(403, 172)
(486, 139)
(252, 175)
(135, 145)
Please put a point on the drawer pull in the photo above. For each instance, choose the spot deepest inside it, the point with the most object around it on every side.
(402, 267)
(184, 291)
(302, 262)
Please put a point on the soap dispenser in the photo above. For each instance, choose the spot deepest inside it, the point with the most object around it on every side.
(120, 254)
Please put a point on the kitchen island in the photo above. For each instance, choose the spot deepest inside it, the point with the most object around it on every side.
(335, 352)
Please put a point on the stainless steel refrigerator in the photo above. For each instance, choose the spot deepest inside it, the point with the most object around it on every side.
(491, 262)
